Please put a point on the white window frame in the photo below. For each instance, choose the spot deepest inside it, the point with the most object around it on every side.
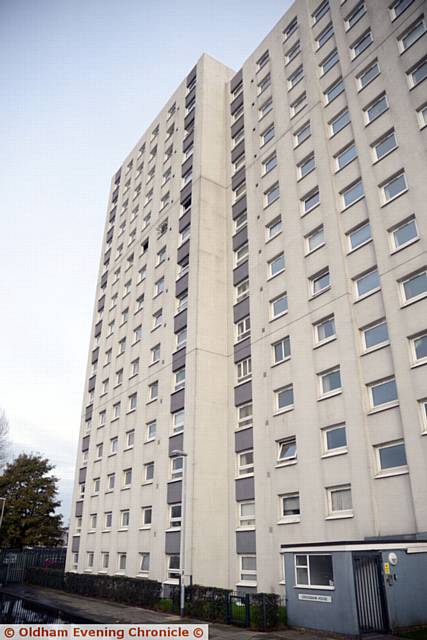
(179, 379)
(347, 190)
(389, 471)
(374, 102)
(316, 278)
(244, 574)
(124, 518)
(263, 84)
(338, 513)
(243, 328)
(280, 257)
(310, 159)
(150, 431)
(355, 52)
(282, 296)
(297, 134)
(288, 407)
(298, 105)
(306, 566)
(153, 391)
(318, 231)
(149, 472)
(277, 222)
(246, 521)
(350, 234)
(362, 276)
(383, 405)
(178, 428)
(244, 370)
(146, 514)
(333, 451)
(282, 444)
(406, 279)
(144, 556)
(415, 361)
(420, 20)
(290, 517)
(384, 198)
(377, 345)
(285, 345)
(244, 290)
(245, 469)
(177, 467)
(400, 225)
(305, 207)
(267, 135)
(247, 420)
(422, 406)
(316, 325)
(241, 255)
(322, 378)
(174, 520)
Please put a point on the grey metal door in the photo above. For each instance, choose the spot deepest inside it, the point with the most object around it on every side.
(370, 593)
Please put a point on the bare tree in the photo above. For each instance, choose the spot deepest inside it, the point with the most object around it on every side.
(4, 442)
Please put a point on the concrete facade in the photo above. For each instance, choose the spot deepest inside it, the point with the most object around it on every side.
(305, 397)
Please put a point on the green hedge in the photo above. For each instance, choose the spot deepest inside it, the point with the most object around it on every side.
(133, 591)
(207, 603)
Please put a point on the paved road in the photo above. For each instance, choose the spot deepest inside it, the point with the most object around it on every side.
(103, 611)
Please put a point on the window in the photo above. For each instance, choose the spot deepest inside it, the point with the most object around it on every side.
(324, 329)
(132, 402)
(391, 456)
(111, 481)
(279, 306)
(181, 338)
(292, 52)
(411, 35)
(334, 439)
(93, 520)
(423, 412)
(310, 201)
(359, 236)
(384, 146)
(284, 398)
(155, 354)
(422, 116)
(137, 334)
(320, 11)
(182, 302)
(399, 7)
(121, 561)
(330, 382)
(315, 239)
(290, 508)
(147, 517)
(99, 450)
(313, 570)
(150, 431)
(262, 60)
(159, 287)
(346, 156)
(116, 410)
(276, 265)
(339, 500)
(394, 188)
(353, 193)
(244, 415)
(127, 477)
(139, 303)
(122, 346)
(240, 221)
(175, 516)
(367, 283)
(290, 29)
(272, 194)
(108, 520)
(239, 162)
(124, 518)
(306, 166)
(334, 91)
(178, 422)
(157, 319)
(241, 254)
(149, 472)
(90, 559)
(368, 74)
(267, 135)
(105, 559)
(414, 287)
(324, 36)
(243, 328)
(78, 527)
(287, 449)
(419, 349)
(375, 335)
(404, 234)
(238, 136)
(114, 445)
(264, 84)
(177, 467)
(244, 370)
(179, 377)
(329, 62)
(383, 393)
(281, 350)
(339, 122)
(174, 570)
(302, 134)
(320, 282)
(269, 164)
(153, 391)
(134, 367)
(295, 77)
(245, 463)
(161, 255)
(265, 108)
(298, 105)
(274, 228)
(248, 569)
(376, 108)
(357, 13)
(102, 418)
(246, 514)
(361, 44)
(144, 566)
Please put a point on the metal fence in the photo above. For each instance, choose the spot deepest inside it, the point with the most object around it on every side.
(14, 562)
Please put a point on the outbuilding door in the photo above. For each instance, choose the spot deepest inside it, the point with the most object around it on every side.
(370, 593)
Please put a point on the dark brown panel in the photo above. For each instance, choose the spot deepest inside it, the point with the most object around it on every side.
(181, 285)
(237, 102)
(238, 151)
(239, 207)
(241, 310)
(188, 141)
(245, 489)
(98, 328)
(178, 359)
(237, 126)
(187, 165)
(243, 440)
(189, 97)
(180, 321)
(238, 178)
(191, 76)
(240, 238)
(176, 443)
(242, 350)
(91, 383)
(189, 120)
(95, 355)
(243, 393)
(185, 192)
(184, 220)
(236, 80)
(240, 273)
(174, 492)
(183, 252)
(177, 400)
(85, 443)
(101, 303)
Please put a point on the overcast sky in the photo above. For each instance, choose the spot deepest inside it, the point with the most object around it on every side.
(80, 82)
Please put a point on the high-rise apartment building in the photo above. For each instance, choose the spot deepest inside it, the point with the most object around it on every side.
(262, 308)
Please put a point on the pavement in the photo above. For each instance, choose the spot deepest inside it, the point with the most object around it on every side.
(98, 611)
